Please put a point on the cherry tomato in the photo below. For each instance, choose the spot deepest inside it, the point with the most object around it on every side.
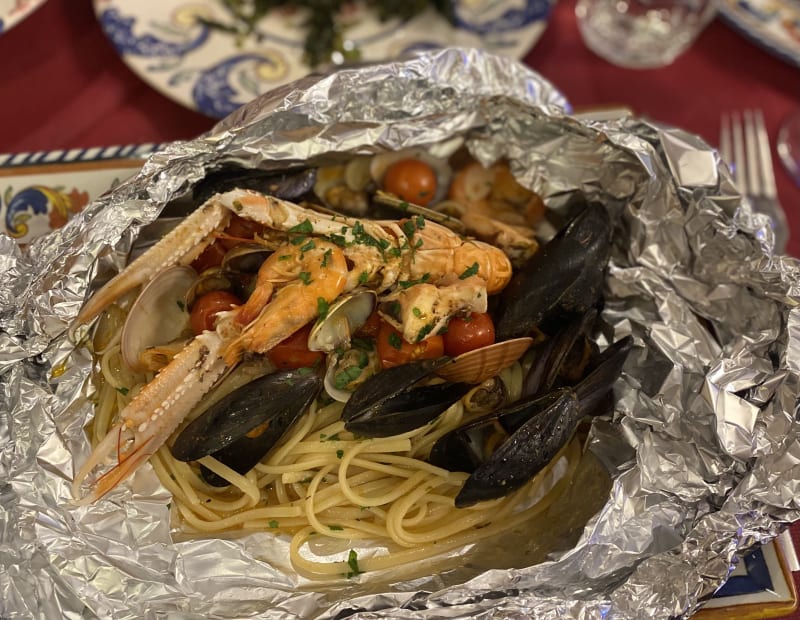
(293, 352)
(206, 307)
(412, 180)
(241, 230)
(473, 331)
(393, 350)
(211, 257)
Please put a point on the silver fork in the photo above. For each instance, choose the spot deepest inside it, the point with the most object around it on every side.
(745, 147)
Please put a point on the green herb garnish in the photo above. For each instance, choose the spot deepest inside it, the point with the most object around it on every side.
(469, 271)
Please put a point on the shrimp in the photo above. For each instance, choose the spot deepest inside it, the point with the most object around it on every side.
(311, 275)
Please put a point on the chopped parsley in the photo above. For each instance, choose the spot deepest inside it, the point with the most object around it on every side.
(363, 359)
(237, 206)
(338, 240)
(352, 562)
(322, 306)
(346, 376)
(273, 523)
(363, 277)
(336, 528)
(334, 437)
(404, 284)
(305, 277)
(339, 454)
(181, 305)
(123, 390)
(424, 332)
(308, 246)
(298, 240)
(326, 257)
(362, 237)
(469, 271)
(395, 341)
(303, 227)
(285, 257)
(416, 312)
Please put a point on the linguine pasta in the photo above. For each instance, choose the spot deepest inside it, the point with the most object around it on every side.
(321, 480)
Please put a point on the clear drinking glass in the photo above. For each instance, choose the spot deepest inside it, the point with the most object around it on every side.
(642, 34)
(789, 144)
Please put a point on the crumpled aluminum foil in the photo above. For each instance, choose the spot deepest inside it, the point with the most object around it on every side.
(702, 450)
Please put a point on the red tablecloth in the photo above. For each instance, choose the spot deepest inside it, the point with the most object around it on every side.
(63, 86)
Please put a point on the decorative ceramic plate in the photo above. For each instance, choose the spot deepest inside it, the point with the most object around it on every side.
(170, 44)
(14, 11)
(40, 191)
(773, 24)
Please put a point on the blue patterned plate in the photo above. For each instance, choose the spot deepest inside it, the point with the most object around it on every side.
(773, 24)
(14, 11)
(215, 71)
(40, 191)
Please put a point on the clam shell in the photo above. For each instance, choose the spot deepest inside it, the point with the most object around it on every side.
(159, 314)
(476, 366)
(343, 319)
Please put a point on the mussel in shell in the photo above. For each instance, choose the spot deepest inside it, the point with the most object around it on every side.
(243, 427)
(537, 426)
(394, 401)
(565, 277)
(293, 184)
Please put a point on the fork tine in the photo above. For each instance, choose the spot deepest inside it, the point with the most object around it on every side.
(740, 168)
(765, 160)
(752, 154)
(725, 141)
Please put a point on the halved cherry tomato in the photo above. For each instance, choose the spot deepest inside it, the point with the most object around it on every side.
(210, 257)
(412, 180)
(464, 334)
(240, 230)
(293, 352)
(205, 309)
(393, 350)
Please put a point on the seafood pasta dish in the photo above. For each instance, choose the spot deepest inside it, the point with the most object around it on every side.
(377, 351)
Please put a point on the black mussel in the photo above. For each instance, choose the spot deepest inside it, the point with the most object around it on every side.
(463, 448)
(389, 403)
(241, 428)
(289, 185)
(551, 354)
(407, 410)
(564, 277)
(524, 454)
(529, 432)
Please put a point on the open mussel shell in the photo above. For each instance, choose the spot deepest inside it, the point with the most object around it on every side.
(242, 427)
(388, 404)
(551, 354)
(343, 318)
(480, 364)
(158, 315)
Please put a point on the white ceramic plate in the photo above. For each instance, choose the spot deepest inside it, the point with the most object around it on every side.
(773, 24)
(215, 72)
(14, 11)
